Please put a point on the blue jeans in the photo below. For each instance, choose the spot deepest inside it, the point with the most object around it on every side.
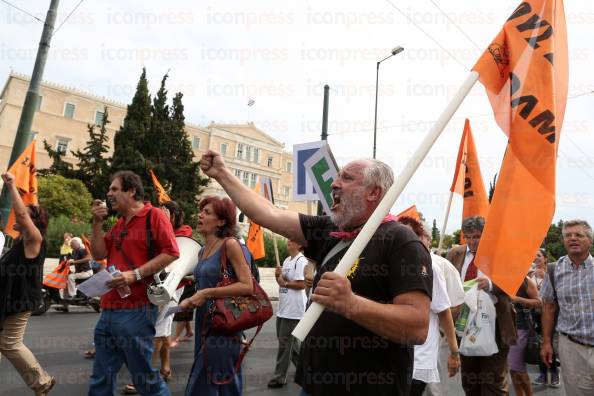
(126, 336)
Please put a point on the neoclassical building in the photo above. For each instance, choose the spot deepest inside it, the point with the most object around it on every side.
(63, 114)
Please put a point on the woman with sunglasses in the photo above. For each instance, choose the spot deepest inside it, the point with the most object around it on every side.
(21, 271)
(215, 355)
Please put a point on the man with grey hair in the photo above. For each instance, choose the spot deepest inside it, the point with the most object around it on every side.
(362, 343)
(484, 375)
(568, 289)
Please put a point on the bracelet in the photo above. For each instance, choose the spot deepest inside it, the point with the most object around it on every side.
(456, 353)
(137, 273)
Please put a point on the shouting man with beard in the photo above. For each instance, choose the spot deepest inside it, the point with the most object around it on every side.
(363, 342)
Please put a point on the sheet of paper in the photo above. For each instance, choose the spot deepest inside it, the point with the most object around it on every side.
(95, 285)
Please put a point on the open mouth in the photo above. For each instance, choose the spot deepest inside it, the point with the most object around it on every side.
(335, 199)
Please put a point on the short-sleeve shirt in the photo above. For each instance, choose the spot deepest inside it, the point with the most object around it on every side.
(132, 239)
(341, 357)
(291, 302)
(452, 279)
(78, 254)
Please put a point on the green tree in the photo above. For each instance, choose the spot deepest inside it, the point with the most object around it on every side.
(183, 172)
(57, 227)
(93, 165)
(553, 242)
(130, 140)
(58, 166)
(65, 197)
(456, 236)
(435, 234)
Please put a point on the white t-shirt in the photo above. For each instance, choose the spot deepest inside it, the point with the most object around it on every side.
(2, 240)
(291, 303)
(426, 355)
(452, 279)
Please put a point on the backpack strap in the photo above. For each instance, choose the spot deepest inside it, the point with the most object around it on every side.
(149, 235)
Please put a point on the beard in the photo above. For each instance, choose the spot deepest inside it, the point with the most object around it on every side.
(352, 207)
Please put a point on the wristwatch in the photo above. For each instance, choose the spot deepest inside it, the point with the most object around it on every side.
(137, 273)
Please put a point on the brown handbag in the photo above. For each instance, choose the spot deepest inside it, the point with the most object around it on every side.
(229, 315)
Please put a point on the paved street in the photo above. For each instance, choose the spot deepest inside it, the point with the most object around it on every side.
(59, 340)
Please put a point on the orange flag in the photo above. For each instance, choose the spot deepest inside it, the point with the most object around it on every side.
(410, 212)
(162, 196)
(468, 180)
(525, 73)
(23, 170)
(255, 239)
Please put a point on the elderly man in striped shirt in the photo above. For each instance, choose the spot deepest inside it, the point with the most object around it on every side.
(570, 292)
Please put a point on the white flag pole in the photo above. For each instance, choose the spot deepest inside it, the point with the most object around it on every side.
(275, 249)
(445, 221)
(315, 310)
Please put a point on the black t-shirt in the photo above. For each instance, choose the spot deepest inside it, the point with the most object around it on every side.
(340, 357)
(80, 254)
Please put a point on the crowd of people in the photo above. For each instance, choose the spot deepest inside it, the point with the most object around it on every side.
(383, 323)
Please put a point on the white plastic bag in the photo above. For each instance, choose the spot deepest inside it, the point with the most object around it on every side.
(479, 335)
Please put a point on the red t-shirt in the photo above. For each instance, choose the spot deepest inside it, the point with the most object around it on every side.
(132, 239)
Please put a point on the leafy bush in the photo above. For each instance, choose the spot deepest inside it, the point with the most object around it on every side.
(270, 260)
(65, 197)
(56, 229)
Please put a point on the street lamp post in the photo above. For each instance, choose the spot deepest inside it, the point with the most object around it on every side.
(394, 51)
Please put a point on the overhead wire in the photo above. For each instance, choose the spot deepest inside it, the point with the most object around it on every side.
(21, 10)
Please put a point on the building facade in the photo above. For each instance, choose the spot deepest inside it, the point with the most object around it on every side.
(63, 115)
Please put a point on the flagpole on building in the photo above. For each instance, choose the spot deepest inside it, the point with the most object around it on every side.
(23, 133)
(315, 310)
(445, 221)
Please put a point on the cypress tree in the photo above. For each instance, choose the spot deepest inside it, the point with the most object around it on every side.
(93, 168)
(130, 141)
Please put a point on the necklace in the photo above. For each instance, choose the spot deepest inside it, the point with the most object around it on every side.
(209, 249)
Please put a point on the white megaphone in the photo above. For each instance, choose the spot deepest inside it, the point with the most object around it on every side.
(166, 282)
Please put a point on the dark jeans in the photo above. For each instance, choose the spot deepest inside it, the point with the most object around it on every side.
(126, 336)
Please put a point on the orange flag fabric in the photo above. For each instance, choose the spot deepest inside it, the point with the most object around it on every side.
(410, 212)
(24, 170)
(255, 239)
(468, 180)
(162, 196)
(525, 73)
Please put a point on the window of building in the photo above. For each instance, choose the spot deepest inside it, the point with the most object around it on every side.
(196, 143)
(246, 178)
(256, 154)
(223, 148)
(62, 144)
(248, 153)
(99, 117)
(253, 180)
(239, 150)
(286, 190)
(289, 167)
(39, 100)
(69, 110)
(270, 161)
(238, 173)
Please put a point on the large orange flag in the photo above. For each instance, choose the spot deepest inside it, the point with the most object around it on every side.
(468, 180)
(162, 196)
(255, 239)
(525, 73)
(23, 170)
